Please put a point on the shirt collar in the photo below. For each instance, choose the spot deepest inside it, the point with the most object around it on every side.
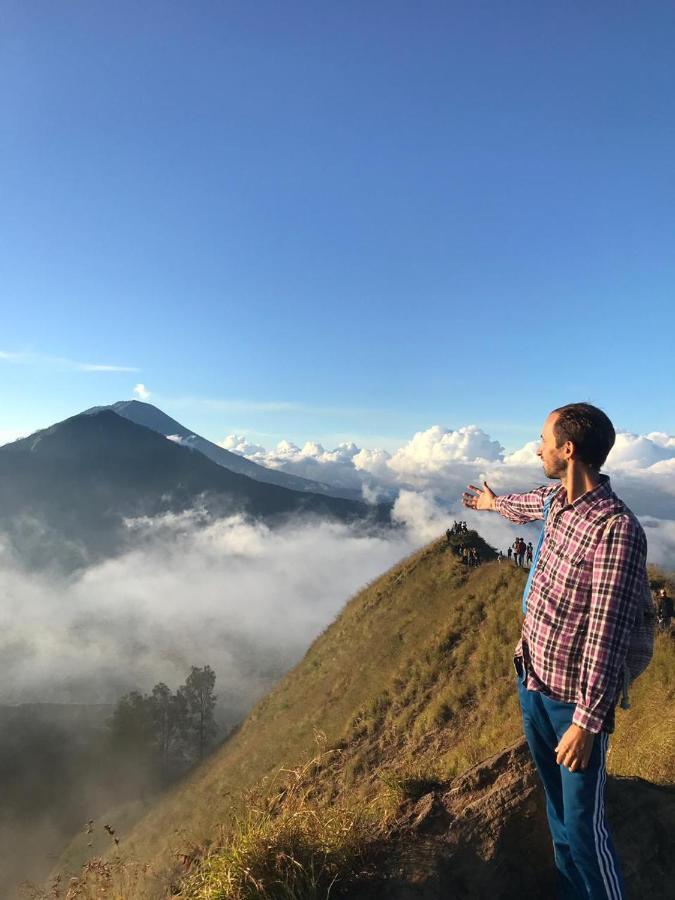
(586, 501)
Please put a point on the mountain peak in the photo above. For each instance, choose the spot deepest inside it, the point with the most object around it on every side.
(154, 418)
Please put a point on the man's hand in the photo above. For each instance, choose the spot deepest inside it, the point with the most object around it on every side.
(574, 748)
(482, 499)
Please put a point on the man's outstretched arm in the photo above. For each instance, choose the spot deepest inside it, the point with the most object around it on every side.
(518, 508)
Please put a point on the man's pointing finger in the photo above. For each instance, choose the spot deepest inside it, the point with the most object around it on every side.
(473, 487)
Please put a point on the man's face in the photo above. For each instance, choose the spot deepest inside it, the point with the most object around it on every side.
(553, 457)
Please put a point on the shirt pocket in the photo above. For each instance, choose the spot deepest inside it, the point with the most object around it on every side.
(565, 570)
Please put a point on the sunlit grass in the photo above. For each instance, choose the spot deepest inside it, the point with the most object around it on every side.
(288, 847)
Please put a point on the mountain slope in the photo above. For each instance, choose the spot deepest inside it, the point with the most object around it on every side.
(151, 417)
(408, 688)
(66, 490)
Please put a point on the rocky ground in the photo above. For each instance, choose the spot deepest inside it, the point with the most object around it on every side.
(484, 835)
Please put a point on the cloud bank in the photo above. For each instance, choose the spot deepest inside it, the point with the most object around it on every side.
(228, 592)
(439, 463)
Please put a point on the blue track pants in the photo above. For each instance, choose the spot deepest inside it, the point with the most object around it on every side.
(585, 858)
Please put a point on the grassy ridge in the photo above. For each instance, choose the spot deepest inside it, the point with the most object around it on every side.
(412, 684)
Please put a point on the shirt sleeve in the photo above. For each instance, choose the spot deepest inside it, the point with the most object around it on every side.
(618, 572)
(522, 508)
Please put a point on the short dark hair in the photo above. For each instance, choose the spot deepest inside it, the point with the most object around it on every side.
(588, 428)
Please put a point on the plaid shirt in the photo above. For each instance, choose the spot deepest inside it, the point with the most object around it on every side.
(584, 598)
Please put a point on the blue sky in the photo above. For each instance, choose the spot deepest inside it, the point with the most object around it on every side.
(338, 220)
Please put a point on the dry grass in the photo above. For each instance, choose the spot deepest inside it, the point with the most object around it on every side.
(288, 846)
(114, 879)
(644, 742)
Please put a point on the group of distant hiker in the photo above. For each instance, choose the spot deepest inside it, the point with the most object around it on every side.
(521, 552)
(470, 556)
(457, 528)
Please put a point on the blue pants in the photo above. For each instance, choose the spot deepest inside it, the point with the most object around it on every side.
(585, 859)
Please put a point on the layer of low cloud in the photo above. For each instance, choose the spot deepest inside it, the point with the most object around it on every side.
(230, 592)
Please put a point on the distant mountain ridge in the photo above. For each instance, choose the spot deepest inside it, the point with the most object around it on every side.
(66, 491)
(152, 417)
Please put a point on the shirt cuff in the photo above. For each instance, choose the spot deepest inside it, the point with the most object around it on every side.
(587, 721)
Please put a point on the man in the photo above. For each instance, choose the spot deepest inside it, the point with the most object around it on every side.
(665, 610)
(583, 600)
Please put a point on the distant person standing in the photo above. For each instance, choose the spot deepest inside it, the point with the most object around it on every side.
(530, 551)
(580, 621)
(500, 556)
(448, 535)
(664, 610)
(521, 553)
(509, 552)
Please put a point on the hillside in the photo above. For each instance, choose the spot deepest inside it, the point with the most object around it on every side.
(408, 689)
(66, 491)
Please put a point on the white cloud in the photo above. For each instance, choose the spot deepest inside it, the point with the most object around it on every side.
(428, 460)
(235, 443)
(525, 456)
(660, 540)
(311, 460)
(433, 454)
(440, 463)
(61, 362)
(640, 451)
(142, 392)
(422, 515)
(228, 592)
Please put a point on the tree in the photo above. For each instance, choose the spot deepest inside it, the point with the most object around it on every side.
(131, 723)
(169, 721)
(201, 701)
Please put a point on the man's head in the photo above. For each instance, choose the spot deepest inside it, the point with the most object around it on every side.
(578, 433)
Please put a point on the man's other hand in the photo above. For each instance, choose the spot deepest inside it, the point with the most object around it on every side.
(484, 498)
(574, 748)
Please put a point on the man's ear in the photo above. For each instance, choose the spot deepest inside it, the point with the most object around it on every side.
(569, 450)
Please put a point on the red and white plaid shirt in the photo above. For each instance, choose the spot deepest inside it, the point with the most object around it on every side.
(584, 598)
